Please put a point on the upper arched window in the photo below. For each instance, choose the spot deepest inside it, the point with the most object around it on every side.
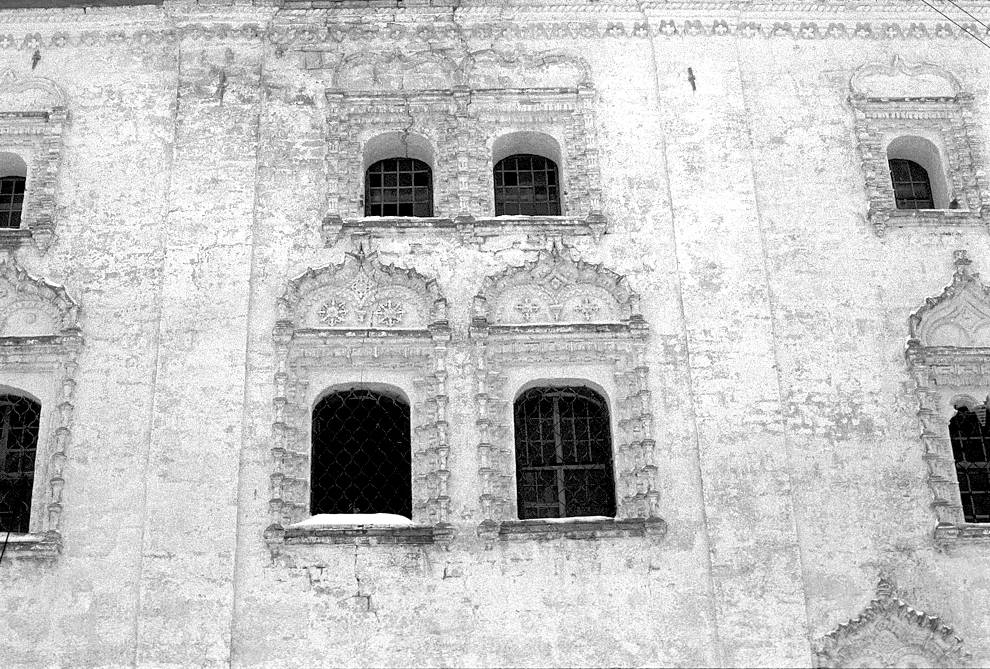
(563, 453)
(528, 185)
(916, 174)
(19, 421)
(362, 454)
(13, 171)
(398, 187)
(970, 438)
(912, 187)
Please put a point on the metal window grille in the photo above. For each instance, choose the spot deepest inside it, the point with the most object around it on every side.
(398, 187)
(563, 454)
(19, 420)
(912, 188)
(11, 201)
(526, 185)
(970, 438)
(361, 460)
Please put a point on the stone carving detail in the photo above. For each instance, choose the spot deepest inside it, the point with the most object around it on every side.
(899, 100)
(40, 335)
(32, 118)
(947, 352)
(558, 311)
(456, 110)
(363, 317)
(889, 633)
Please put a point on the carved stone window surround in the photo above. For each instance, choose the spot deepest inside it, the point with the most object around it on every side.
(320, 345)
(43, 365)
(32, 118)
(609, 354)
(960, 315)
(890, 633)
(902, 100)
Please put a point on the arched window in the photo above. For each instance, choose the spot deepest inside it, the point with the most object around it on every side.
(13, 171)
(398, 187)
(563, 454)
(970, 438)
(361, 454)
(526, 185)
(19, 420)
(912, 187)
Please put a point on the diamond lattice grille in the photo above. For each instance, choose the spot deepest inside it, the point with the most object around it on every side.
(361, 454)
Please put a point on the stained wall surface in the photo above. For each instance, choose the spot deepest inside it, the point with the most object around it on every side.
(199, 167)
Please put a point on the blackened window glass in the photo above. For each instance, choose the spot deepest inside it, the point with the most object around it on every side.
(912, 188)
(19, 420)
(11, 201)
(970, 439)
(563, 454)
(398, 187)
(526, 185)
(361, 454)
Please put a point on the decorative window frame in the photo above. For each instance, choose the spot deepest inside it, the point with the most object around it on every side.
(359, 323)
(453, 104)
(583, 322)
(899, 99)
(32, 118)
(889, 632)
(40, 342)
(948, 355)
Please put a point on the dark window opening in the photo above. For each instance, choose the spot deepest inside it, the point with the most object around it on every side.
(11, 201)
(563, 454)
(361, 454)
(19, 420)
(970, 438)
(912, 188)
(526, 185)
(399, 187)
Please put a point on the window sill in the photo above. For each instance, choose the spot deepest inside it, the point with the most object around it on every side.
(334, 227)
(919, 218)
(949, 535)
(44, 547)
(576, 528)
(279, 539)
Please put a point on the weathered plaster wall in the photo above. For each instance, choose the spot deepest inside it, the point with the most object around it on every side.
(790, 467)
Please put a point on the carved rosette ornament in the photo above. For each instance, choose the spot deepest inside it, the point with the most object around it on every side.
(40, 335)
(32, 117)
(558, 311)
(949, 352)
(889, 633)
(366, 319)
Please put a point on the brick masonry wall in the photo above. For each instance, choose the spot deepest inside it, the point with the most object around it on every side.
(192, 188)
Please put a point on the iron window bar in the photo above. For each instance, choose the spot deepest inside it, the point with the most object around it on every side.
(970, 437)
(11, 201)
(912, 187)
(399, 187)
(526, 185)
(20, 418)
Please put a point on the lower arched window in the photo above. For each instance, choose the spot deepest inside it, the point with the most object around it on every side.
(970, 438)
(912, 186)
(398, 187)
(19, 421)
(563, 453)
(526, 185)
(361, 459)
(11, 201)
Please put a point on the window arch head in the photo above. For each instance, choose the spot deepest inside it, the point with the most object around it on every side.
(970, 437)
(398, 175)
(526, 175)
(20, 418)
(916, 173)
(13, 176)
(362, 454)
(563, 453)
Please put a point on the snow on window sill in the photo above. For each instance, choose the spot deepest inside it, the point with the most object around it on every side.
(31, 546)
(949, 535)
(581, 527)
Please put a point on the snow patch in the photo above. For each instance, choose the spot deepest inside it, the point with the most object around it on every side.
(20, 538)
(569, 519)
(336, 519)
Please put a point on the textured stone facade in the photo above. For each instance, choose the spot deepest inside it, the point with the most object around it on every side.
(195, 271)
